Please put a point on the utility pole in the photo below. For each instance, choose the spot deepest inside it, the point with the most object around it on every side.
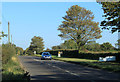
(11, 39)
(8, 32)
(118, 39)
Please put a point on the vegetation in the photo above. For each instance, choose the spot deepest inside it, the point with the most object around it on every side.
(110, 66)
(78, 25)
(12, 69)
(68, 44)
(89, 46)
(118, 43)
(93, 46)
(112, 15)
(85, 54)
(106, 46)
(36, 45)
(80, 30)
(56, 47)
(19, 51)
(47, 49)
(8, 52)
(2, 34)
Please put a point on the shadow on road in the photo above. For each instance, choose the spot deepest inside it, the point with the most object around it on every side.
(53, 78)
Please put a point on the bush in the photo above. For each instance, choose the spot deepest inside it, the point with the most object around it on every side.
(74, 54)
(106, 46)
(11, 69)
(7, 52)
(19, 50)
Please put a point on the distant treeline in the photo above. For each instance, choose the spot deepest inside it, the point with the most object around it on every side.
(71, 45)
(90, 46)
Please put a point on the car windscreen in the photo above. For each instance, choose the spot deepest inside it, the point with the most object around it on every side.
(46, 54)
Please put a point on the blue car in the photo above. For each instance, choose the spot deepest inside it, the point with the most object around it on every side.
(46, 55)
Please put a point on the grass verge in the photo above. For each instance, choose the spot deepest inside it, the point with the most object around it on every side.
(13, 71)
(110, 66)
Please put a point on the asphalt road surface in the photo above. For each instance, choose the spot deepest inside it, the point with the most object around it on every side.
(59, 70)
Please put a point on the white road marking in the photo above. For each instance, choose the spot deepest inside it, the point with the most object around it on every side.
(67, 71)
(61, 69)
(36, 60)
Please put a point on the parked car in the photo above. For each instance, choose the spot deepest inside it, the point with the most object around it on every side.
(46, 55)
(107, 58)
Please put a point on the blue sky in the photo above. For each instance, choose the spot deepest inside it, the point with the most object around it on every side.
(29, 19)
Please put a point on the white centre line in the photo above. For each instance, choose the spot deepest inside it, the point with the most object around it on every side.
(61, 69)
(36, 60)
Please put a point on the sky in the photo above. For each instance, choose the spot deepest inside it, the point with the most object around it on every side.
(29, 19)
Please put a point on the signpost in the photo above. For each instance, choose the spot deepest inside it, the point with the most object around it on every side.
(59, 54)
(34, 52)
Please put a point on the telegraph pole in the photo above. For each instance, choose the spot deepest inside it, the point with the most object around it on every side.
(8, 32)
(118, 39)
(11, 39)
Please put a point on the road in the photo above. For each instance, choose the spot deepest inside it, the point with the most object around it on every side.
(59, 70)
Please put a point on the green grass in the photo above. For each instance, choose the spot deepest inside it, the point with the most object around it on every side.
(38, 55)
(13, 70)
(110, 66)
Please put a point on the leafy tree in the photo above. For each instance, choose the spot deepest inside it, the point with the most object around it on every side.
(118, 43)
(19, 50)
(27, 51)
(92, 46)
(79, 26)
(112, 15)
(69, 44)
(36, 45)
(106, 46)
(56, 47)
(2, 34)
(47, 49)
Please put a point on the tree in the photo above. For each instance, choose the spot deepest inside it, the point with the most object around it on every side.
(19, 50)
(79, 26)
(92, 46)
(106, 46)
(27, 51)
(112, 16)
(56, 47)
(47, 49)
(2, 34)
(69, 44)
(36, 45)
(118, 43)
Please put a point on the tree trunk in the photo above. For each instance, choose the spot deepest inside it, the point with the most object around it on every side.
(78, 47)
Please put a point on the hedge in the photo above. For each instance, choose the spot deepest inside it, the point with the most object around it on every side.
(74, 54)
